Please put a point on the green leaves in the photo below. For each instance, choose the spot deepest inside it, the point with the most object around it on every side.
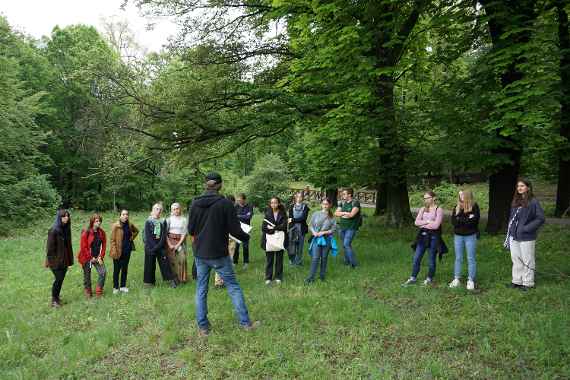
(27, 193)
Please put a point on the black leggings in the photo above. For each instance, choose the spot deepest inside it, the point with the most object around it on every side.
(277, 258)
(150, 268)
(59, 274)
(245, 246)
(121, 266)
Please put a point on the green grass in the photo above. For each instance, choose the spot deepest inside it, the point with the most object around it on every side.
(358, 324)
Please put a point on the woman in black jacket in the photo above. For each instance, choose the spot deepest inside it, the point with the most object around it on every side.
(275, 221)
(59, 253)
(465, 220)
(525, 219)
(298, 228)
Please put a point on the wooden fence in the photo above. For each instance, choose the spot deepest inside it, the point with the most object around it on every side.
(365, 197)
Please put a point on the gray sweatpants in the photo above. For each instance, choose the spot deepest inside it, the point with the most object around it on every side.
(522, 255)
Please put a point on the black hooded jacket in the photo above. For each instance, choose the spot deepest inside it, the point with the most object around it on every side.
(212, 218)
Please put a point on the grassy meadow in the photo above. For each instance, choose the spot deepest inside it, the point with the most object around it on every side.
(359, 324)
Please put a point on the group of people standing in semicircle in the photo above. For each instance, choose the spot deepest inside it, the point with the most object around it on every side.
(219, 226)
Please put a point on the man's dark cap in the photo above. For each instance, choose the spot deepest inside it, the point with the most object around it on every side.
(213, 176)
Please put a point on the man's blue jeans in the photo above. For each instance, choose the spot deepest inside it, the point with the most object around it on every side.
(225, 268)
(347, 236)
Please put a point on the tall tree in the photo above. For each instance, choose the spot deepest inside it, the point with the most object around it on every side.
(21, 157)
(510, 26)
(343, 58)
(563, 190)
(78, 56)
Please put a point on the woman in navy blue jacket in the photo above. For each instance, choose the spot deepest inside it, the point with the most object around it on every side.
(525, 219)
(154, 249)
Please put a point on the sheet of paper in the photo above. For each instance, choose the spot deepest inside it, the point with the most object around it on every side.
(235, 239)
(246, 227)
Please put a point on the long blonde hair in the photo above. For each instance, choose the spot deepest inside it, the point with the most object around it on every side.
(468, 201)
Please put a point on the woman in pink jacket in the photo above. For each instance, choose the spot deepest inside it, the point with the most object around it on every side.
(428, 221)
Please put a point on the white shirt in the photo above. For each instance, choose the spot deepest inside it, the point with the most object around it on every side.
(178, 225)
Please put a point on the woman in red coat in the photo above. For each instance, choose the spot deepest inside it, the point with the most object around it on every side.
(91, 254)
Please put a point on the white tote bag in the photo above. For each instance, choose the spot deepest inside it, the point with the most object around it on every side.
(276, 241)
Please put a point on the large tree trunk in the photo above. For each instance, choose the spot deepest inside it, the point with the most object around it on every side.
(332, 194)
(389, 44)
(392, 157)
(501, 187)
(381, 199)
(515, 17)
(563, 191)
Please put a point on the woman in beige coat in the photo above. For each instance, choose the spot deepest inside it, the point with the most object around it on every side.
(123, 235)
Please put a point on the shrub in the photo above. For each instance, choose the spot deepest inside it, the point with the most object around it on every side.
(269, 178)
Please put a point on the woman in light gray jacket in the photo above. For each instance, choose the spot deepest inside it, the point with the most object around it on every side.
(322, 227)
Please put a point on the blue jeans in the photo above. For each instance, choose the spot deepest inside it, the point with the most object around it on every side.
(296, 250)
(430, 241)
(322, 254)
(225, 268)
(470, 244)
(347, 236)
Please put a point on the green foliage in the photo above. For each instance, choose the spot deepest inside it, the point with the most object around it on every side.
(26, 200)
(269, 178)
(26, 194)
(447, 194)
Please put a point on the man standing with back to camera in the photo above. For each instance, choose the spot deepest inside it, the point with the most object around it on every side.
(212, 218)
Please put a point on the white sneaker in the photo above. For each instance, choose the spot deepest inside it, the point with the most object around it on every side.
(125, 290)
(410, 281)
(278, 282)
(115, 291)
(470, 285)
(245, 266)
(428, 281)
(455, 283)
(267, 282)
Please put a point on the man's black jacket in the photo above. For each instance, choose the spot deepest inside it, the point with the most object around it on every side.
(212, 218)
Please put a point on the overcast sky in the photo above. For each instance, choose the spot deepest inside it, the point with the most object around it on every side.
(38, 17)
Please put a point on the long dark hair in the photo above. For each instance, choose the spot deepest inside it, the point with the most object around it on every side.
(281, 207)
(59, 227)
(330, 212)
(522, 200)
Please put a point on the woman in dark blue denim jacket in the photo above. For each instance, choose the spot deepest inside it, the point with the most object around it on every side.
(525, 219)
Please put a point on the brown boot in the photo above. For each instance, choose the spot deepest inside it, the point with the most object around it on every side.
(98, 291)
(88, 293)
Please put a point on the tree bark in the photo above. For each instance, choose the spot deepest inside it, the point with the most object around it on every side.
(392, 157)
(381, 199)
(501, 187)
(390, 39)
(563, 189)
(332, 194)
(503, 16)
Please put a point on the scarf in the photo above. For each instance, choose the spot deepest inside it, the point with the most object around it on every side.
(513, 224)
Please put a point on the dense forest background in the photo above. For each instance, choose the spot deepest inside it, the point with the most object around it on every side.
(388, 95)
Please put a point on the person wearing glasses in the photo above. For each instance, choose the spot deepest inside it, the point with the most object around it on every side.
(428, 221)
